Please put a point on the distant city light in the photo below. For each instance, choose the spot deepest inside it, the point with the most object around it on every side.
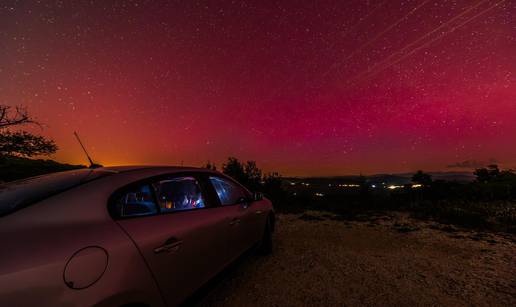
(319, 194)
(349, 185)
(354, 185)
(394, 187)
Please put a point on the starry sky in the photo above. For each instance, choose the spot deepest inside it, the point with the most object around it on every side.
(324, 87)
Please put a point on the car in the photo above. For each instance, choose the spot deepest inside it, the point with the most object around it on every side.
(115, 236)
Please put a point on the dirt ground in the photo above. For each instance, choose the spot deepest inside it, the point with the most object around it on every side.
(383, 260)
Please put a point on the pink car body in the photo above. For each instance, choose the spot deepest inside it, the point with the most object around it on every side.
(123, 235)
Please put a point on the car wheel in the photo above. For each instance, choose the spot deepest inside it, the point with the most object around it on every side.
(265, 247)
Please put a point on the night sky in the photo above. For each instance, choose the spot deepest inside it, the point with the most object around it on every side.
(302, 87)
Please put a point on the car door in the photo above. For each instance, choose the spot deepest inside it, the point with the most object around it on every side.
(183, 238)
(238, 201)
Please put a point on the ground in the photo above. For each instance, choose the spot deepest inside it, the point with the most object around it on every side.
(388, 260)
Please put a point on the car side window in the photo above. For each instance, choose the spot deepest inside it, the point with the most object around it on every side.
(181, 193)
(228, 192)
(137, 201)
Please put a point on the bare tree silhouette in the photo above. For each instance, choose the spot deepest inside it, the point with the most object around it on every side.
(21, 143)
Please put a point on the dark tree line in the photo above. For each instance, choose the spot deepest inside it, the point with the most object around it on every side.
(17, 146)
(422, 178)
(253, 178)
(18, 143)
(493, 174)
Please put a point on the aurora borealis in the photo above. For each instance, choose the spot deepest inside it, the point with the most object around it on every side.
(302, 87)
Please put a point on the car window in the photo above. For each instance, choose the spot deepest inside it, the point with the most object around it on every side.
(228, 192)
(182, 193)
(137, 201)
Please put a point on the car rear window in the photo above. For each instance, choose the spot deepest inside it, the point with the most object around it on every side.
(22, 193)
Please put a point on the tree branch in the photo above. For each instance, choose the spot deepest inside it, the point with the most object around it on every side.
(18, 116)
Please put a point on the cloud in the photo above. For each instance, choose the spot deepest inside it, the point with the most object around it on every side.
(472, 164)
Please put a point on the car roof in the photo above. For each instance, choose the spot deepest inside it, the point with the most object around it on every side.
(22, 193)
(129, 168)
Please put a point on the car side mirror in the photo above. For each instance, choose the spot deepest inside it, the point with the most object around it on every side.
(257, 196)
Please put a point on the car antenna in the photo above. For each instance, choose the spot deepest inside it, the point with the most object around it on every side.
(92, 165)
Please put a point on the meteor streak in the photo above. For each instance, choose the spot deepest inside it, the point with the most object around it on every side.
(408, 46)
(377, 69)
(369, 42)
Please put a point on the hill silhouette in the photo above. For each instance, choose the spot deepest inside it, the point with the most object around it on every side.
(14, 168)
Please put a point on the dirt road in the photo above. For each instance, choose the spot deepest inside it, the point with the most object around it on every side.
(320, 260)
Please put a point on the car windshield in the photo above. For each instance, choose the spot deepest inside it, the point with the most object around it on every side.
(22, 193)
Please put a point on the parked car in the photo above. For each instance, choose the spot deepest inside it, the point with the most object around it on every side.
(124, 235)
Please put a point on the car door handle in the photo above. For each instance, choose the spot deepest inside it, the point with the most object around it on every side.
(234, 222)
(169, 247)
(258, 212)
